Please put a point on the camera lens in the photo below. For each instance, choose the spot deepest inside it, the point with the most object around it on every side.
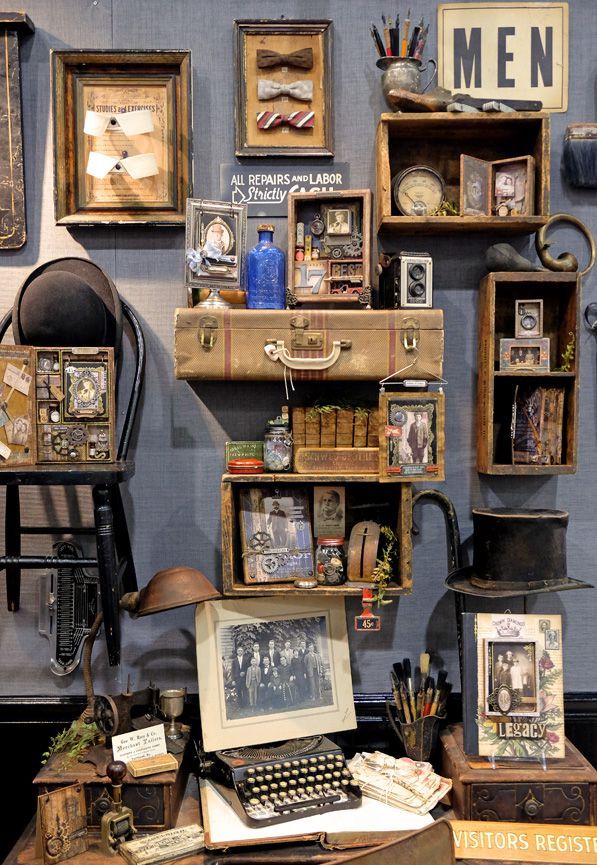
(416, 289)
(416, 271)
(528, 321)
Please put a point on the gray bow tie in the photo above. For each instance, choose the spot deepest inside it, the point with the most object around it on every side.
(302, 90)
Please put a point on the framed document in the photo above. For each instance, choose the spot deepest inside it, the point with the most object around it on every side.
(122, 136)
(284, 88)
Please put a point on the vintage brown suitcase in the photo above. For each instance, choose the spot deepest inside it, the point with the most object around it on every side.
(523, 792)
(155, 800)
(338, 345)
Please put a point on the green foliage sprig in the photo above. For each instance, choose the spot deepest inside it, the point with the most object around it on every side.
(567, 355)
(386, 564)
(73, 741)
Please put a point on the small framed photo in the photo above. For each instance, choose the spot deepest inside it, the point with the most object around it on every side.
(329, 512)
(272, 669)
(338, 221)
(411, 437)
(511, 678)
(215, 241)
(513, 186)
(122, 136)
(524, 354)
(276, 539)
(475, 181)
(284, 88)
(528, 318)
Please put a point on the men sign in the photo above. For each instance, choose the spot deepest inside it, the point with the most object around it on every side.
(505, 51)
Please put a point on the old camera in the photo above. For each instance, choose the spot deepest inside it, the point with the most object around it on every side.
(416, 272)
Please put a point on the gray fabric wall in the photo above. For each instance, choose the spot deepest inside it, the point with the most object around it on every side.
(173, 501)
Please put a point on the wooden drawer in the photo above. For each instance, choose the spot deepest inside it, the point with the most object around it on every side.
(563, 791)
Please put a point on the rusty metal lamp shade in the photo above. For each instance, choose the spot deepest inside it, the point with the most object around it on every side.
(173, 587)
(517, 551)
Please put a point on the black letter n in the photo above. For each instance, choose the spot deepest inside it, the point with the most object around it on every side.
(542, 58)
(466, 56)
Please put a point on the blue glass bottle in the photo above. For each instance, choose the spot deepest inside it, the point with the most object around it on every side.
(266, 272)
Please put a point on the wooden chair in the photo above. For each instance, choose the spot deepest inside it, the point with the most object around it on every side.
(114, 559)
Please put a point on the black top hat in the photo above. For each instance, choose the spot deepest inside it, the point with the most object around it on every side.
(68, 302)
(517, 551)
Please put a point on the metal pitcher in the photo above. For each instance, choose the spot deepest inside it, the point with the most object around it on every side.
(403, 73)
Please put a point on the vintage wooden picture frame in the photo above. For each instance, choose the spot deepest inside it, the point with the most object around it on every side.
(284, 88)
(276, 536)
(411, 437)
(524, 354)
(215, 241)
(528, 318)
(513, 186)
(122, 136)
(236, 711)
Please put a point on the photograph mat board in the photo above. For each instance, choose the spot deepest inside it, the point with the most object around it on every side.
(212, 620)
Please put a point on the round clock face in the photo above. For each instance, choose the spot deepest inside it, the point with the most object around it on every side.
(528, 321)
(418, 191)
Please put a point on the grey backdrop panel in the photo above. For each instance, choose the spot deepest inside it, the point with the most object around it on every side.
(173, 500)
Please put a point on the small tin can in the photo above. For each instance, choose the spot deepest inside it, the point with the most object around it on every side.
(277, 447)
(330, 561)
(245, 466)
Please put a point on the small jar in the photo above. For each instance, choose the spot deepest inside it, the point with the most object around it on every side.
(277, 447)
(330, 561)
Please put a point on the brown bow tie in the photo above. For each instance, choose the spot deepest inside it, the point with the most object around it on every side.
(303, 59)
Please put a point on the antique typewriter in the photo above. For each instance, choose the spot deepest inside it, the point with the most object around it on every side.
(275, 783)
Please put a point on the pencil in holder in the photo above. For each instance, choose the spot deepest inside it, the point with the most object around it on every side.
(418, 738)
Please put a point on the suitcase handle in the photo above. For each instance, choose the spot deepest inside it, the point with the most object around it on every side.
(278, 351)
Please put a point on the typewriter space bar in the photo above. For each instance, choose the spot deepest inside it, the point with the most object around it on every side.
(307, 803)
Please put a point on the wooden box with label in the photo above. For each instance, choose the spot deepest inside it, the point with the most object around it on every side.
(564, 792)
(154, 800)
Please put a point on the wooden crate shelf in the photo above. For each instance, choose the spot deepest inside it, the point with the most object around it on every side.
(438, 140)
(560, 293)
(232, 570)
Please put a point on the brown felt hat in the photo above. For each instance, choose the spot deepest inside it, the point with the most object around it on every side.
(516, 551)
(68, 302)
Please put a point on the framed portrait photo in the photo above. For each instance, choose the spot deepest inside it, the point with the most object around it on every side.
(272, 669)
(338, 221)
(329, 509)
(284, 88)
(122, 136)
(411, 437)
(215, 241)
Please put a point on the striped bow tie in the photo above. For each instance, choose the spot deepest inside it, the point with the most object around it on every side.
(298, 119)
(302, 90)
(303, 59)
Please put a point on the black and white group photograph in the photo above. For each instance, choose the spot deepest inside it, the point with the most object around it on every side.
(276, 666)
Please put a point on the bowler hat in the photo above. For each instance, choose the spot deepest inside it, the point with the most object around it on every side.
(516, 551)
(68, 302)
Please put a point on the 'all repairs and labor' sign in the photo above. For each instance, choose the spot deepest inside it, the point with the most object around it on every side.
(505, 51)
(265, 188)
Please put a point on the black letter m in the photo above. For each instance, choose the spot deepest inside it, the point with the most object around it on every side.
(466, 56)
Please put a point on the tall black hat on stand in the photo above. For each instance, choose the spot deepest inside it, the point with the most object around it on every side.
(517, 551)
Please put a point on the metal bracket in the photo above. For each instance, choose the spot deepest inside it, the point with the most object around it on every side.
(410, 334)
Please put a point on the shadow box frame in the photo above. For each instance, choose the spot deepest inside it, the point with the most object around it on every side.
(75, 70)
(245, 80)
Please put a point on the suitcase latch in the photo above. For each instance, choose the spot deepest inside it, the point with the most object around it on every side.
(302, 337)
(208, 327)
(410, 334)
